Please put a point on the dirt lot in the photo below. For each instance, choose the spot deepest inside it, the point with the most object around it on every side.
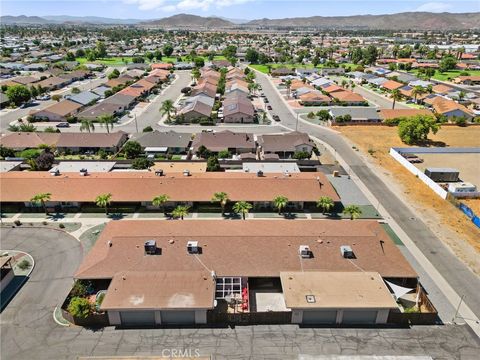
(448, 223)
(467, 164)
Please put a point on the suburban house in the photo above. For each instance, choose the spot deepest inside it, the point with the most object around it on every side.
(238, 109)
(389, 114)
(357, 114)
(91, 142)
(84, 98)
(6, 271)
(450, 108)
(113, 105)
(59, 111)
(348, 97)
(309, 278)
(468, 80)
(194, 111)
(28, 140)
(53, 83)
(314, 98)
(285, 145)
(158, 142)
(236, 143)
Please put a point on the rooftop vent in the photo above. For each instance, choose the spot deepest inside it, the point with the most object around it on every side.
(150, 247)
(56, 172)
(304, 251)
(83, 172)
(186, 172)
(159, 172)
(310, 299)
(347, 252)
(192, 247)
(259, 173)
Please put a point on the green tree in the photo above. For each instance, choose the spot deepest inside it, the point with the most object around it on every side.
(88, 125)
(325, 203)
(396, 95)
(196, 74)
(45, 160)
(160, 200)
(222, 199)
(416, 91)
(101, 49)
(41, 199)
(242, 207)
(103, 201)
(132, 149)
(353, 211)
(167, 49)
(80, 307)
(448, 62)
(167, 108)
(213, 164)
(280, 203)
(288, 84)
(416, 129)
(57, 97)
(142, 163)
(107, 121)
(18, 94)
(180, 211)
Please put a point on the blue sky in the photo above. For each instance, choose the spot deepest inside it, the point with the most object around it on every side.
(238, 9)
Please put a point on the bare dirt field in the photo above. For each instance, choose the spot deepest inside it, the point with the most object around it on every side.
(448, 223)
(467, 164)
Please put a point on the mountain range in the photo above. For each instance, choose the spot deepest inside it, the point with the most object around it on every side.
(400, 21)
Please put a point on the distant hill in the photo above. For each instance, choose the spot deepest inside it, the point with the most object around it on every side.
(22, 19)
(401, 21)
(89, 19)
(186, 20)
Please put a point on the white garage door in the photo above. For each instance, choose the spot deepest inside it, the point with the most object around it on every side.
(359, 317)
(178, 317)
(137, 318)
(319, 317)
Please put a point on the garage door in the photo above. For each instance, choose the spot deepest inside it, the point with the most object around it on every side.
(319, 317)
(359, 317)
(138, 318)
(178, 317)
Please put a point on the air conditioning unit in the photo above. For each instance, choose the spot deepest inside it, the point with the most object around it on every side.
(186, 172)
(159, 172)
(56, 172)
(150, 247)
(83, 172)
(347, 252)
(304, 251)
(192, 247)
(259, 173)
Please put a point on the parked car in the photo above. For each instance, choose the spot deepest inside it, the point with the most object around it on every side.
(415, 161)
(63, 125)
(45, 97)
(276, 117)
(269, 107)
(266, 100)
(208, 131)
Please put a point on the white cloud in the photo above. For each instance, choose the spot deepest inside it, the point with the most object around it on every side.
(434, 7)
(183, 4)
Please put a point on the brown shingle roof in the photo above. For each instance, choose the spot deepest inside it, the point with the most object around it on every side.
(92, 140)
(24, 140)
(133, 187)
(400, 113)
(222, 140)
(253, 248)
(62, 108)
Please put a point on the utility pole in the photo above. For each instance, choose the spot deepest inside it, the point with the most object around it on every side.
(458, 307)
(296, 124)
(136, 124)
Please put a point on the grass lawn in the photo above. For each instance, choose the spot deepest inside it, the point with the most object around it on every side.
(106, 61)
(448, 75)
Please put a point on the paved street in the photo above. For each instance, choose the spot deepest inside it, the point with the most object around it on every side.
(7, 115)
(463, 281)
(29, 331)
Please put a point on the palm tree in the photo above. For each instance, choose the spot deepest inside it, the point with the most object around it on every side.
(242, 207)
(417, 90)
(160, 200)
(87, 125)
(196, 74)
(103, 201)
(41, 199)
(222, 198)
(353, 210)
(280, 203)
(461, 95)
(180, 211)
(325, 203)
(288, 84)
(167, 108)
(107, 121)
(396, 95)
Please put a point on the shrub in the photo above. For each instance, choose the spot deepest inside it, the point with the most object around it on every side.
(80, 307)
(17, 222)
(44, 223)
(147, 129)
(79, 289)
(24, 264)
(61, 226)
